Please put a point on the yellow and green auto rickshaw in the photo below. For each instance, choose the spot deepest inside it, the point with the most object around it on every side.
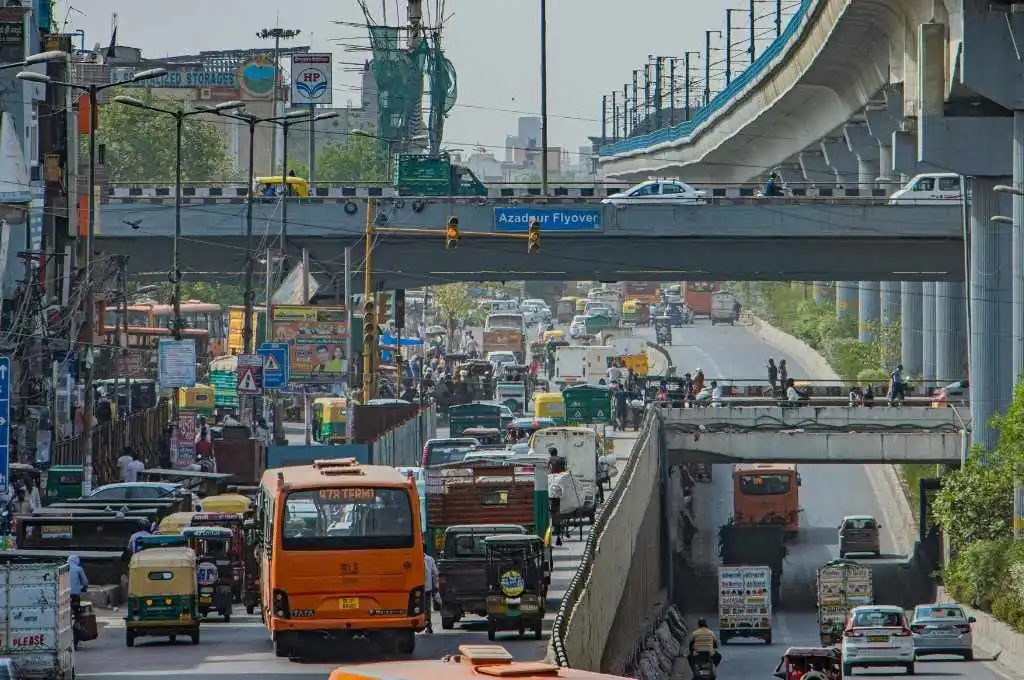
(226, 502)
(163, 598)
(549, 405)
(175, 522)
(198, 398)
(215, 571)
(297, 186)
(581, 305)
(329, 419)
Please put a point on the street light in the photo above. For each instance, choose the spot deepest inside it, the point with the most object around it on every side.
(93, 90)
(179, 117)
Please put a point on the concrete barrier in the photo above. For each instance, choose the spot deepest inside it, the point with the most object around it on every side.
(595, 627)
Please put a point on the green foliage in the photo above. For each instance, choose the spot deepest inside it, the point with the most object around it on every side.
(140, 145)
(222, 294)
(357, 159)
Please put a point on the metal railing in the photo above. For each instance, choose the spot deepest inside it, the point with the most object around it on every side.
(577, 586)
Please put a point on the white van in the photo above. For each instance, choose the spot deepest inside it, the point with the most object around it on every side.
(931, 188)
(723, 308)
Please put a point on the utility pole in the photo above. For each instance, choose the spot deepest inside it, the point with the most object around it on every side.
(625, 111)
(647, 93)
(672, 91)
(604, 118)
(707, 64)
(658, 94)
(615, 116)
(544, 97)
(728, 45)
(753, 31)
(277, 34)
(778, 18)
(636, 94)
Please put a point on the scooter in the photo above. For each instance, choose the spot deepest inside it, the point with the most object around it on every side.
(704, 669)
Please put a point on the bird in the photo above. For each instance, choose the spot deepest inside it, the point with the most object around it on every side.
(137, 224)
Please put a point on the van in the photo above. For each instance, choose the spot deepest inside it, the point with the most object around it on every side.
(723, 308)
(931, 188)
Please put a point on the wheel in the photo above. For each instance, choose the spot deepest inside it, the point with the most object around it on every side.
(910, 668)
(538, 629)
(768, 638)
(174, 638)
(195, 636)
(969, 656)
(847, 670)
(405, 642)
(250, 609)
(129, 638)
(281, 650)
(447, 622)
(492, 629)
(227, 618)
(842, 555)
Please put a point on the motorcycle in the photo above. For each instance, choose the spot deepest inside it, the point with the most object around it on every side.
(704, 669)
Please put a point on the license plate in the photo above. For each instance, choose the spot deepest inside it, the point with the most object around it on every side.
(878, 638)
(350, 603)
(204, 599)
(513, 601)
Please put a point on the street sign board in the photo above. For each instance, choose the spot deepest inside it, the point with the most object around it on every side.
(587, 404)
(516, 219)
(275, 365)
(250, 374)
(5, 420)
(177, 363)
(188, 423)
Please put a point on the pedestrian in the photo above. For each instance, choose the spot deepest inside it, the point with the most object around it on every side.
(773, 376)
(783, 373)
(897, 388)
(77, 580)
(124, 463)
(621, 406)
(556, 465)
(431, 580)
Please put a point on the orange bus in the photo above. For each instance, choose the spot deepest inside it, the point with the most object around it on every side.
(143, 343)
(472, 662)
(197, 315)
(342, 556)
(766, 493)
(697, 296)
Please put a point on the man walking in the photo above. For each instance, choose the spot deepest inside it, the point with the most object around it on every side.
(429, 589)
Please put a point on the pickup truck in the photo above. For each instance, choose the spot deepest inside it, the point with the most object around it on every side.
(462, 570)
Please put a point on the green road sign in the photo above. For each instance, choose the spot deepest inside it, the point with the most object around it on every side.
(587, 404)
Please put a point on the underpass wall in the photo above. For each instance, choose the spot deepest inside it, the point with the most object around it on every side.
(617, 595)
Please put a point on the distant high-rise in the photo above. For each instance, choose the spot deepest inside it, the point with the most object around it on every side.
(511, 144)
(529, 132)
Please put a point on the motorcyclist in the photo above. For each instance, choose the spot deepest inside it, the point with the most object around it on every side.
(773, 187)
(703, 645)
(79, 583)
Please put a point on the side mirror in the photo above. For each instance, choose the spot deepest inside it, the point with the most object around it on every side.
(879, 526)
(971, 619)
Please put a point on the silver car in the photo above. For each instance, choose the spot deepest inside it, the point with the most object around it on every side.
(942, 629)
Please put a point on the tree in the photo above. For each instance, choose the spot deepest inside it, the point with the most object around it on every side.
(222, 294)
(357, 159)
(140, 145)
(452, 303)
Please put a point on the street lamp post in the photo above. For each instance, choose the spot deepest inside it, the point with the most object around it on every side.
(1017, 275)
(93, 90)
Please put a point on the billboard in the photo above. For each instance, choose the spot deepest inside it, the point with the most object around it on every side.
(311, 79)
(316, 338)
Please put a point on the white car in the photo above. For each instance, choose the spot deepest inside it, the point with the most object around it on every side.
(658, 192)
(578, 327)
(877, 636)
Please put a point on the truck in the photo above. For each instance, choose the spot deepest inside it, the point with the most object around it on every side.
(841, 586)
(421, 175)
(504, 332)
(723, 308)
(745, 602)
(644, 291)
(582, 363)
(36, 604)
(763, 544)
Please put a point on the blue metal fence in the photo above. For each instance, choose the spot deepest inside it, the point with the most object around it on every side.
(720, 100)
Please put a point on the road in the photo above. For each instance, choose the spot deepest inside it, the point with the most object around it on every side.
(243, 646)
(828, 493)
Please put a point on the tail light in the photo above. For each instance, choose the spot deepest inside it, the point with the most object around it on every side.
(415, 606)
(904, 632)
(963, 627)
(917, 628)
(281, 608)
(426, 452)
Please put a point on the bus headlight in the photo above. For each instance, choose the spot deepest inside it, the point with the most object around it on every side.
(281, 609)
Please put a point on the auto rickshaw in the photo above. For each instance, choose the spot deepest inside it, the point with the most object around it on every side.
(521, 429)
(175, 522)
(549, 405)
(198, 398)
(225, 502)
(212, 546)
(297, 186)
(631, 312)
(63, 482)
(251, 558)
(518, 571)
(162, 595)
(330, 415)
(232, 521)
(663, 330)
(160, 541)
(581, 306)
(557, 334)
(798, 660)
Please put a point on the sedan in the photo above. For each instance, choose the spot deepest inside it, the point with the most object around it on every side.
(942, 629)
(658, 192)
(578, 327)
(134, 491)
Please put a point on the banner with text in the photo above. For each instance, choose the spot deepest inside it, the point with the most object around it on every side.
(316, 338)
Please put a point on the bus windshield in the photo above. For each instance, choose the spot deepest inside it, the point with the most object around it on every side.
(347, 518)
(764, 485)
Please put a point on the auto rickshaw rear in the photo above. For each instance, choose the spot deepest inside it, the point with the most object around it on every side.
(518, 575)
(162, 595)
(212, 546)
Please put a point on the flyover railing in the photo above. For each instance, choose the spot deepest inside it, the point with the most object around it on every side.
(723, 98)
(581, 645)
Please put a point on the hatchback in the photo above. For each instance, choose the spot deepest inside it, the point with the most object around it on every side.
(942, 629)
(877, 636)
(859, 534)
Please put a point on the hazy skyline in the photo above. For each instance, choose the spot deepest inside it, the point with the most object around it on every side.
(495, 48)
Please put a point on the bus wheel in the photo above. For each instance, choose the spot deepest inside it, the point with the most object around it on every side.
(281, 650)
(405, 642)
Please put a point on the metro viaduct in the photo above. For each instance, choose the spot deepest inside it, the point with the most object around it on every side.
(732, 239)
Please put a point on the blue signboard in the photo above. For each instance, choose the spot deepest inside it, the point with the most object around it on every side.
(5, 421)
(517, 219)
(177, 363)
(275, 365)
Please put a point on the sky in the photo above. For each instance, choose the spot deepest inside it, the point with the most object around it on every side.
(494, 45)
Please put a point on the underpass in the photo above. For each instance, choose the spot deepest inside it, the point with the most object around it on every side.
(827, 494)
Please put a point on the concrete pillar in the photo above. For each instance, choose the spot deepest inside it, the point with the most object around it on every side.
(911, 345)
(987, 301)
(846, 300)
(868, 309)
(890, 292)
(1018, 248)
(885, 173)
(865, 148)
(819, 289)
(839, 157)
(815, 169)
(950, 332)
(928, 333)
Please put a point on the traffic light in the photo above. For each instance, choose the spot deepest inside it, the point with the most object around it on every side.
(399, 309)
(451, 234)
(533, 237)
(383, 308)
(369, 327)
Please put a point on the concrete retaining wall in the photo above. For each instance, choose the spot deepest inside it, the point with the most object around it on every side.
(608, 609)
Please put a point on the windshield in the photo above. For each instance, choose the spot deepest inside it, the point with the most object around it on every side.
(512, 321)
(347, 518)
(859, 523)
(764, 485)
(440, 454)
